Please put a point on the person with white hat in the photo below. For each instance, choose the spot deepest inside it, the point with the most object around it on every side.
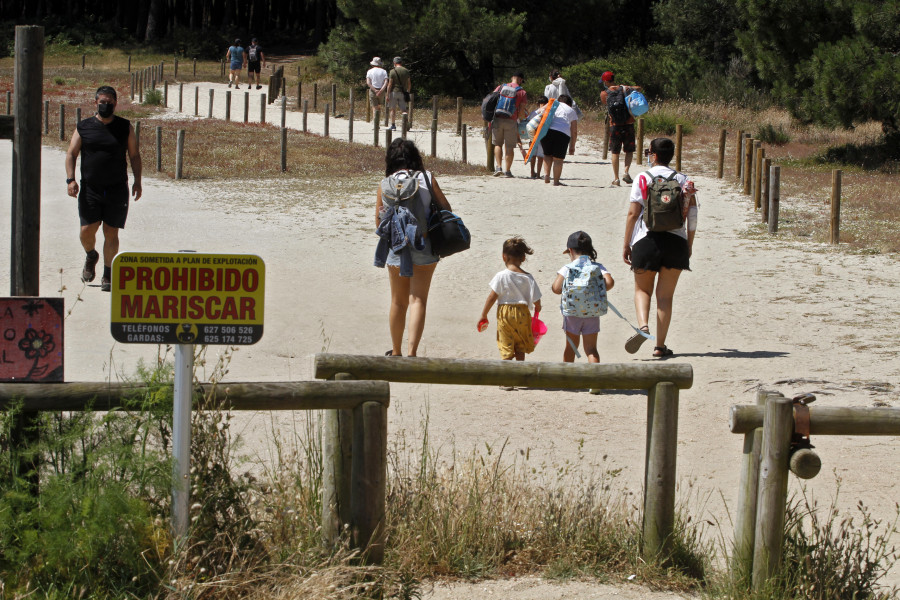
(376, 81)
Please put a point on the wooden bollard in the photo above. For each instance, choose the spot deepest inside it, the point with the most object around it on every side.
(368, 106)
(459, 108)
(299, 92)
(327, 110)
(283, 86)
(773, 480)
(283, 149)
(262, 108)
(605, 138)
(131, 88)
(757, 173)
(350, 118)
(209, 114)
(166, 94)
(387, 113)
(246, 107)
(179, 154)
(196, 100)
(639, 141)
(720, 165)
(465, 135)
(409, 109)
(180, 95)
(774, 197)
(227, 105)
(434, 125)
(195, 66)
(489, 148)
(283, 112)
(369, 481)
(305, 113)
(388, 137)
(158, 149)
(764, 184)
(82, 62)
(754, 154)
(748, 165)
(738, 155)
(8, 102)
(334, 97)
(678, 139)
(141, 91)
(337, 439)
(162, 71)
(836, 176)
(62, 122)
(137, 134)
(46, 117)
(434, 108)
(659, 482)
(376, 125)
(222, 65)
(315, 96)
(405, 126)
(175, 67)
(129, 63)
(748, 490)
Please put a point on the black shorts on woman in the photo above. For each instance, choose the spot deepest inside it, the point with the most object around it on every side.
(660, 249)
(555, 144)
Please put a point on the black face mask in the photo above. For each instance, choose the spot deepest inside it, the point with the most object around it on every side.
(105, 110)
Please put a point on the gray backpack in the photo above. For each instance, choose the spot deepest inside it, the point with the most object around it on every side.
(404, 191)
(664, 207)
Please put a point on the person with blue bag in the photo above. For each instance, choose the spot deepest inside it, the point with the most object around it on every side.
(621, 123)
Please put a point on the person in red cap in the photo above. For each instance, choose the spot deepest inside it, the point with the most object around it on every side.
(621, 132)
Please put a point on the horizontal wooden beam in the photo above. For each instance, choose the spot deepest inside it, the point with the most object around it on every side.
(299, 395)
(628, 376)
(825, 420)
(7, 126)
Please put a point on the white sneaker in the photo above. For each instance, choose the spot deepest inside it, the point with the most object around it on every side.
(498, 173)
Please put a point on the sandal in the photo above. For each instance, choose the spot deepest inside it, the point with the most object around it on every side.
(391, 353)
(634, 343)
(662, 352)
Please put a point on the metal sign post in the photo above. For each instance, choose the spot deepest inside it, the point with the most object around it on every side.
(181, 438)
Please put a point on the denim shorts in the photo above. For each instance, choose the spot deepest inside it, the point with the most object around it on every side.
(419, 257)
(236, 66)
(581, 325)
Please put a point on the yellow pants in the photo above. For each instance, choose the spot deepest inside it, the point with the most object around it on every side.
(514, 330)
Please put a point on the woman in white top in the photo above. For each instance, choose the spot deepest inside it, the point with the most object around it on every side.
(657, 257)
(410, 294)
(557, 86)
(562, 135)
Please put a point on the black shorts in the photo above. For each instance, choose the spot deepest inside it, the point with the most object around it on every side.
(109, 205)
(660, 249)
(253, 67)
(621, 136)
(555, 144)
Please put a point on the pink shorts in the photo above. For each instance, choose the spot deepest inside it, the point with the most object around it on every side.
(581, 325)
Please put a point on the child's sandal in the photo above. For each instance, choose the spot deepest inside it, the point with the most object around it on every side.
(662, 352)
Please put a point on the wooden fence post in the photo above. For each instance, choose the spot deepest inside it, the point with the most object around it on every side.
(166, 93)
(350, 118)
(82, 62)
(137, 134)
(376, 125)
(131, 88)
(8, 102)
(639, 149)
(327, 111)
(315, 96)
(129, 63)
(175, 72)
(489, 147)
(227, 105)
(434, 126)
(404, 127)
(210, 113)
(195, 66)
(659, 478)
(299, 92)
(678, 139)
(180, 95)
(158, 149)
(764, 184)
(434, 108)
(459, 102)
(465, 135)
(720, 166)
(748, 491)
(773, 480)
(748, 165)
(337, 445)
(305, 113)
(46, 117)
(836, 176)
(246, 107)
(179, 154)
(334, 98)
(605, 138)
(62, 122)
(774, 197)
(757, 174)
(283, 112)
(738, 154)
(283, 85)
(283, 149)
(262, 108)
(368, 106)
(409, 110)
(368, 479)
(196, 100)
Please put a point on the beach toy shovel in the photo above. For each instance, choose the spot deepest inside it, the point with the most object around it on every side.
(538, 328)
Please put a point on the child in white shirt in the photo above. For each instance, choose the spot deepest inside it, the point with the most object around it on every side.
(515, 292)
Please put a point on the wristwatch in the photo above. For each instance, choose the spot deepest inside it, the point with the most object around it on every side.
(68, 181)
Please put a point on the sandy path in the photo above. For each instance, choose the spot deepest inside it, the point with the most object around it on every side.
(752, 312)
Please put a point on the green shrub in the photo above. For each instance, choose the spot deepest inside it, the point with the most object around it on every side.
(153, 97)
(770, 134)
(59, 80)
(664, 123)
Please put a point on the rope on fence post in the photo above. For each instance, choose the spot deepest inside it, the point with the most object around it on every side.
(720, 165)
(774, 197)
(836, 176)
(179, 154)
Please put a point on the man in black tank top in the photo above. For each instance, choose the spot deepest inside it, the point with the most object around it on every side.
(103, 140)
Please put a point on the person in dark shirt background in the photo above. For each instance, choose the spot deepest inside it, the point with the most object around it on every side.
(103, 140)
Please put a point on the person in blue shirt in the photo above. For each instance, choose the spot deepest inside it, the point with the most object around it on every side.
(235, 56)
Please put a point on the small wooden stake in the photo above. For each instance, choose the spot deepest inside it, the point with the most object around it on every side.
(180, 95)
(369, 480)
(227, 105)
(179, 154)
(738, 155)
(836, 176)
(196, 100)
(283, 112)
(404, 127)
(434, 125)
(62, 122)
(246, 107)
(459, 108)
(764, 184)
(774, 197)
(678, 140)
(757, 172)
(639, 145)
(283, 149)
(465, 135)
(350, 118)
(606, 138)
(262, 108)
(315, 96)
(720, 165)
(334, 97)
(327, 110)
(659, 482)
(376, 125)
(748, 165)
(305, 114)
(209, 113)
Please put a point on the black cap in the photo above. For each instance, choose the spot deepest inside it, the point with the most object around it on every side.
(575, 241)
(520, 75)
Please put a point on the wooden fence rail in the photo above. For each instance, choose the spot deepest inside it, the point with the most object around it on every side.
(662, 382)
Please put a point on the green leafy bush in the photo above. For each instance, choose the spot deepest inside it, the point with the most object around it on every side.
(662, 122)
(770, 134)
(153, 97)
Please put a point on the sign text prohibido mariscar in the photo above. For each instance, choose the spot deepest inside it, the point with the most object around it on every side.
(187, 298)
